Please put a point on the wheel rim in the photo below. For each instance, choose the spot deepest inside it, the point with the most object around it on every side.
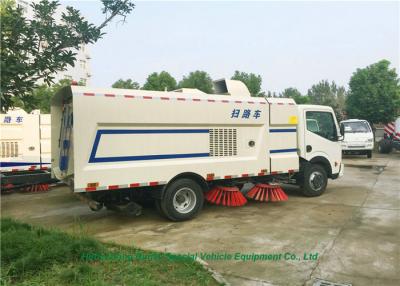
(184, 200)
(316, 181)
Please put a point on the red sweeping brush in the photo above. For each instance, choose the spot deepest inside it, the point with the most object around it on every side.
(37, 188)
(7, 188)
(226, 196)
(267, 193)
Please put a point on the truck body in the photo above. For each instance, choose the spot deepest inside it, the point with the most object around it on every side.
(358, 137)
(25, 147)
(110, 140)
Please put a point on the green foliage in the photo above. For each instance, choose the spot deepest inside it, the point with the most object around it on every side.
(32, 255)
(251, 80)
(35, 49)
(28, 249)
(325, 93)
(127, 84)
(296, 95)
(374, 93)
(160, 81)
(197, 79)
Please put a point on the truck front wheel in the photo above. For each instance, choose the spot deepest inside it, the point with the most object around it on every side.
(314, 181)
(182, 200)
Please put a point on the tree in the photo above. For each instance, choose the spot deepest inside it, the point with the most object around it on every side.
(325, 93)
(340, 109)
(251, 80)
(127, 84)
(33, 50)
(271, 94)
(162, 81)
(296, 95)
(197, 79)
(374, 93)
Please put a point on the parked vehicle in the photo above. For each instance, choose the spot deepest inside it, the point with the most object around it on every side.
(358, 137)
(24, 148)
(391, 138)
(112, 145)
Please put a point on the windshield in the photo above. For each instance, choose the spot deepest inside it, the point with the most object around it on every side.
(322, 124)
(312, 125)
(356, 127)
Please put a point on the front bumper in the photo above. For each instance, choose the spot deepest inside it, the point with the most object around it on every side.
(358, 146)
(340, 174)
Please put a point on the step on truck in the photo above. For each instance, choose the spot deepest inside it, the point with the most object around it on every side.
(115, 146)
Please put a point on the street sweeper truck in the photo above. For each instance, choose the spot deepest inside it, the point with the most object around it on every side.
(115, 146)
(24, 150)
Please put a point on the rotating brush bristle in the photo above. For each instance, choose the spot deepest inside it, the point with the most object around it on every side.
(226, 196)
(36, 188)
(267, 193)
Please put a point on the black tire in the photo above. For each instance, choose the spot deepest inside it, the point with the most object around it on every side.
(369, 154)
(384, 146)
(157, 204)
(182, 200)
(314, 180)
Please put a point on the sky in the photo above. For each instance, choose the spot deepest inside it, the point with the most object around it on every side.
(290, 44)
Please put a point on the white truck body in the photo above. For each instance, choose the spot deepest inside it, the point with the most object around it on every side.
(25, 142)
(131, 138)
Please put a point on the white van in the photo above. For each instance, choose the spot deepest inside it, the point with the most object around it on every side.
(358, 137)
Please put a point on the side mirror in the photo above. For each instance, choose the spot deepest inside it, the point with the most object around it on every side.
(342, 129)
(341, 137)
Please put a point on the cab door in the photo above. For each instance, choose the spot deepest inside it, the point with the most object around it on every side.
(321, 137)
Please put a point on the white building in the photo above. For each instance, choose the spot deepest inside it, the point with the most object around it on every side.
(81, 71)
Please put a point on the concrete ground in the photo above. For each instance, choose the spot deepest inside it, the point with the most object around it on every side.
(353, 228)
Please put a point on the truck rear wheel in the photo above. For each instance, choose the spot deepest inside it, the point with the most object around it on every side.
(385, 146)
(182, 200)
(314, 181)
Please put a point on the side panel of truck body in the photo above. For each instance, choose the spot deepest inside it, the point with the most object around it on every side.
(117, 138)
(25, 141)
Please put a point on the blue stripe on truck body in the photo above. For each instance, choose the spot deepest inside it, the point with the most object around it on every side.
(282, 130)
(94, 159)
(283, 150)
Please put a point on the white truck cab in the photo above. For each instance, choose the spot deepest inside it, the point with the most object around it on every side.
(319, 139)
(358, 137)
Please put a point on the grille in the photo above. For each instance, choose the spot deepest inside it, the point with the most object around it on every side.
(223, 142)
(9, 149)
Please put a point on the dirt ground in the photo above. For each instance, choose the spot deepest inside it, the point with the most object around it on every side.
(350, 234)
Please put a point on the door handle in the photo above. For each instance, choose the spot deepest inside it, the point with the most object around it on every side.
(308, 148)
